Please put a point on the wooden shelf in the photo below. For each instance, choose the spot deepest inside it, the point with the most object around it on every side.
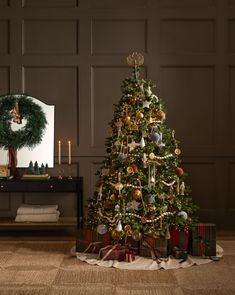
(7, 223)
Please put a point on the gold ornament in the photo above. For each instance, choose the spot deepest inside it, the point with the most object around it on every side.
(134, 167)
(143, 220)
(136, 194)
(115, 234)
(161, 115)
(135, 59)
(127, 228)
(134, 126)
(133, 100)
(177, 151)
(139, 115)
(130, 169)
(126, 119)
(112, 197)
(151, 120)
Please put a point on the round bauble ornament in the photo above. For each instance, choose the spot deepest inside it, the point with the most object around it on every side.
(183, 214)
(102, 229)
(139, 115)
(179, 171)
(126, 119)
(129, 169)
(134, 167)
(143, 220)
(136, 235)
(154, 136)
(136, 194)
(121, 158)
(161, 115)
(177, 151)
(115, 234)
(151, 120)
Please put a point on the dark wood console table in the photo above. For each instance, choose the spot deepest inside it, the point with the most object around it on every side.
(51, 185)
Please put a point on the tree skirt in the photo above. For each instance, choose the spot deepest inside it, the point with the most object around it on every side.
(143, 263)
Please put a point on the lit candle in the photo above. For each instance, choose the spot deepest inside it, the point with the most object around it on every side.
(59, 152)
(69, 145)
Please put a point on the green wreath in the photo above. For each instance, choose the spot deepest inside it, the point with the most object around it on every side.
(31, 133)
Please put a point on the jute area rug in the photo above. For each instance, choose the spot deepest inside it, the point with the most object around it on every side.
(39, 268)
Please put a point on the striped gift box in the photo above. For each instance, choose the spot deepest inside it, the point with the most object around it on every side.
(203, 239)
(89, 241)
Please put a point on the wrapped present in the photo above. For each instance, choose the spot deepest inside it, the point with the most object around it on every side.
(129, 242)
(179, 239)
(203, 239)
(153, 247)
(113, 252)
(130, 256)
(89, 241)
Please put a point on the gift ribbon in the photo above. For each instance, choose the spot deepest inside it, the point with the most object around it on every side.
(109, 251)
(92, 246)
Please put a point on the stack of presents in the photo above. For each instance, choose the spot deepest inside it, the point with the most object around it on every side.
(199, 241)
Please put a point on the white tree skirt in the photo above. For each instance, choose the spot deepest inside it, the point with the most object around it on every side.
(143, 263)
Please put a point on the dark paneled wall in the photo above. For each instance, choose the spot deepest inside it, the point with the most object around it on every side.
(73, 54)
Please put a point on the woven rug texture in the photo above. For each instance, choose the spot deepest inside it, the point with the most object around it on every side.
(46, 267)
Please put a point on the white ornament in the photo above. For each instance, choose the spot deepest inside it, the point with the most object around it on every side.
(133, 145)
(146, 104)
(142, 143)
(119, 226)
(117, 208)
(149, 91)
(119, 186)
(183, 214)
(155, 96)
(102, 229)
(134, 205)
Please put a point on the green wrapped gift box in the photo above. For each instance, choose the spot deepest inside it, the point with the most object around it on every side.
(203, 239)
(153, 247)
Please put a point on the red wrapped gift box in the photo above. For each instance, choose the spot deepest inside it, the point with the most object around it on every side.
(179, 239)
(89, 241)
(113, 252)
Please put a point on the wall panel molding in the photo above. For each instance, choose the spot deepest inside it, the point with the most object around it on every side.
(133, 31)
(179, 36)
(50, 37)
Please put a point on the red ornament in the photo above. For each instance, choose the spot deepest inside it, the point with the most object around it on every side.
(179, 171)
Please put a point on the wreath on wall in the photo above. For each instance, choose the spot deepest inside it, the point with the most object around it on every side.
(15, 108)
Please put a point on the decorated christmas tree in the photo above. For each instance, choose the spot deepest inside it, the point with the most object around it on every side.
(141, 188)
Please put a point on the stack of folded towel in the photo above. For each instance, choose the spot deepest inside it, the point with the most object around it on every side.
(37, 213)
